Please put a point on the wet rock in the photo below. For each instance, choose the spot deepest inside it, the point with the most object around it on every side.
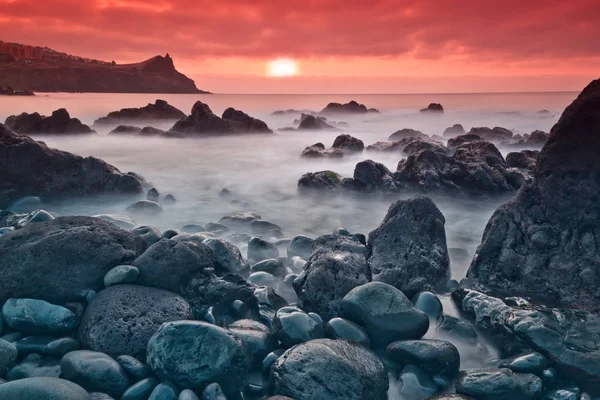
(121, 220)
(46, 345)
(125, 130)
(313, 123)
(350, 372)
(454, 130)
(498, 384)
(26, 204)
(328, 181)
(495, 135)
(121, 274)
(227, 257)
(567, 338)
(256, 336)
(436, 357)
(136, 369)
(242, 122)
(348, 144)
(43, 388)
(429, 303)
(149, 234)
(369, 176)
(340, 328)
(525, 159)
(160, 110)
(164, 391)
(542, 243)
(145, 207)
(272, 266)
(351, 107)
(266, 229)
(140, 390)
(213, 392)
(293, 326)
(8, 356)
(462, 139)
(337, 265)
(35, 365)
(170, 264)
(408, 250)
(95, 372)
(53, 174)
(121, 319)
(416, 384)
(532, 362)
(193, 354)
(38, 317)
(300, 246)
(385, 313)
(33, 258)
(318, 150)
(537, 138)
(432, 108)
(187, 394)
(60, 123)
(259, 249)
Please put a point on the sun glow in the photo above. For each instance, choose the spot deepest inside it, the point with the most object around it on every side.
(283, 67)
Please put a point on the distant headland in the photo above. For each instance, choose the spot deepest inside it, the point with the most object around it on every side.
(40, 69)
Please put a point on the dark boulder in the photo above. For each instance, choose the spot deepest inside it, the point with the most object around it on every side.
(42, 388)
(95, 372)
(407, 133)
(436, 357)
(151, 131)
(408, 250)
(327, 181)
(537, 138)
(59, 123)
(160, 110)
(293, 326)
(543, 243)
(125, 130)
(370, 176)
(32, 168)
(525, 159)
(121, 319)
(34, 316)
(242, 122)
(329, 369)
(348, 144)
(58, 261)
(433, 108)
(352, 107)
(314, 123)
(462, 139)
(569, 339)
(337, 265)
(385, 313)
(498, 384)
(318, 150)
(193, 354)
(454, 130)
(496, 134)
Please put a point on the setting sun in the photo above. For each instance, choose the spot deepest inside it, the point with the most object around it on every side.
(283, 67)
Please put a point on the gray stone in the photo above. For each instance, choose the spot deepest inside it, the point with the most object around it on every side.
(227, 257)
(408, 249)
(187, 394)
(145, 207)
(121, 319)
(123, 221)
(46, 345)
(329, 369)
(121, 274)
(42, 388)
(164, 391)
(38, 317)
(213, 392)
(498, 384)
(8, 356)
(429, 303)
(256, 336)
(95, 371)
(339, 328)
(385, 313)
(149, 234)
(436, 357)
(193, 354)
(532, 362)
(272, 266)
(140, 390)
(259, 249)
(300, 246)
(35, 365)
(293, 326)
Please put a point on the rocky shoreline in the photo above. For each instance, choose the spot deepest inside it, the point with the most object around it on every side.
(238, 308)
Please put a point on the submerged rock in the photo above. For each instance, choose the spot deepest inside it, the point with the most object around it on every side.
(408, 250)
(319, 181)
(432, 108)
(60, 122)
(329, 369)
(543, 243)
(53, 174)
(33, 258)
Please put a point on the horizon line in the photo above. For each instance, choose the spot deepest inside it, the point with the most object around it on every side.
(384, 94)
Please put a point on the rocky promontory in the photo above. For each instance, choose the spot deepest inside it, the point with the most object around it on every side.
(159, 111)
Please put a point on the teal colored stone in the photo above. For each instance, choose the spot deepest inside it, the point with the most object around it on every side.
(46, 345)
(140, 390)
(339, 328)
(164, 391)
(38, 317)
(121, 274)
(42, 388)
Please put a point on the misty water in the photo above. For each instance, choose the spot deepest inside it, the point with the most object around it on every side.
(261, 171)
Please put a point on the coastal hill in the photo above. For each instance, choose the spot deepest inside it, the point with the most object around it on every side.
(41, 69)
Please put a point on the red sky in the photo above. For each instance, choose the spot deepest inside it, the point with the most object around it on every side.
(341, 46)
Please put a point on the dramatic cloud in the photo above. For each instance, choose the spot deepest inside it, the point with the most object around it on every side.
(513, 33)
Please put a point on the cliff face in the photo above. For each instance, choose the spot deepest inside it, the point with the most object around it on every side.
(156, 75)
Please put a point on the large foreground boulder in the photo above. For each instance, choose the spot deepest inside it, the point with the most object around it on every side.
(192, 354)
(408, 250)
(59, 123)
(121, 319)
(58, 261)
(203, 122)
(32, 168)
(544, 242)
(569, 339)
(160, 110)
(329, 369)
(337, 265)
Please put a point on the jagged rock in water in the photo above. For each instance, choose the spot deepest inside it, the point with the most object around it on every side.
(569, 339)
(352, 107)
(125, 130)
(433, 108)
(160, 110)
(348, 144)
(408, 250)
(370, 176)
(59, 123)
(202, 122)
(454, 130)
(544, 242)
(32, 168)
(525, 159)
(314, 123)
(337, 265)
(409, 145)
(462, 139)
(320, 181)
(496, 134)
(318, 150)
(406, 133)
(537, 138)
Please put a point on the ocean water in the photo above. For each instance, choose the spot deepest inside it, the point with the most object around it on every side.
(261, 171)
